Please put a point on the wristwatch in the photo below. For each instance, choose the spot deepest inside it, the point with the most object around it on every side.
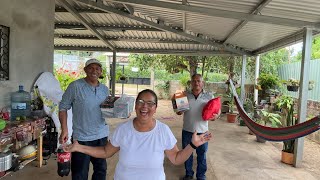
(192, 145)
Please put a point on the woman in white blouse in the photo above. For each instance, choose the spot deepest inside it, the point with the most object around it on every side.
(142, 143)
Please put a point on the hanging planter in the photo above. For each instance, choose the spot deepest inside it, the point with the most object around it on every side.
(293, 88)
(311, 85)
(122, 78)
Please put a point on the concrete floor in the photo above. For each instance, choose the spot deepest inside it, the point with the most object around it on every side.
(233, 154)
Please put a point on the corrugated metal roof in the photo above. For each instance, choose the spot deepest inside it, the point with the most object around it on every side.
(153, 22)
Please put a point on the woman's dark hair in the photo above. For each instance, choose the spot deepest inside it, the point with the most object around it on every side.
(148, 91)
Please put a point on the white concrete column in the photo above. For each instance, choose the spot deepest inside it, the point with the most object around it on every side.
(256, 76)
(303, 93)
(113, 78)
(243, 78)
(152, 79)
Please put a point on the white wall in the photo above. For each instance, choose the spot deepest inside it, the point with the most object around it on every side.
(31, 25)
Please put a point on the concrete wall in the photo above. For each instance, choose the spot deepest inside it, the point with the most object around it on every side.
(31, 25)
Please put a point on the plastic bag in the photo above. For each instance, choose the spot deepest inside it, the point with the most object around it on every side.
(123, 106)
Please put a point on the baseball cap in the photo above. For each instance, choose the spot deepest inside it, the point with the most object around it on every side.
(93, 61)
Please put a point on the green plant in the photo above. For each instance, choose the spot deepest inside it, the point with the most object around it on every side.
(268, 81)
(65, 77)
(286, 104)
(269, 118)
(184, 80)
(295, 82)
(230, 102)
(163, 88)
(292, 82)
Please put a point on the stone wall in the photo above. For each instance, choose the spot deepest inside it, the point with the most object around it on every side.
(312, 111)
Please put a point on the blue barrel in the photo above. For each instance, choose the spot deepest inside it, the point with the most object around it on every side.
(20, 104)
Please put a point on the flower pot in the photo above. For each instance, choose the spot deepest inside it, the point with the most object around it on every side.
(293, 88)
(231, 117)
(287, 158)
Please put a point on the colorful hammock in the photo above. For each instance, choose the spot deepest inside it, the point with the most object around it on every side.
(276, 134)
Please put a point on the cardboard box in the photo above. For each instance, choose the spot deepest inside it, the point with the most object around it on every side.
(180, 102)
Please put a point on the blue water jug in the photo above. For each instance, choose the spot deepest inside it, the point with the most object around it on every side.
(20, 104)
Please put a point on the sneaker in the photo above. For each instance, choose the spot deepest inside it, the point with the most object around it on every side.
(187, 178)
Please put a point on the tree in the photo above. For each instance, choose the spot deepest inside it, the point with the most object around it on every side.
(315, 50)
(272, 60)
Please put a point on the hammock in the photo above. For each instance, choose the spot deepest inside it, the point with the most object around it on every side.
(276, 134)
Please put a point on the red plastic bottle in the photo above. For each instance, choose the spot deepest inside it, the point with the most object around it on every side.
(64, 162)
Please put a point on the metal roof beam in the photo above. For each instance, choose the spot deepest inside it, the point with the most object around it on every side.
(127, 39)
(263, 4)
(129, 8)
(59, 9)
(286, 41)
(223, 13)
(68, 7)
(102, 7)
(107, 27)
(149, 51)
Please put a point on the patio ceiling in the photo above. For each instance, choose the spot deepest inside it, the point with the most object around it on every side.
(188, 27)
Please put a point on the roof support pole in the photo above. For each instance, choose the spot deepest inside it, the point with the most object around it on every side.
(303, 93)
(256, 76)
(113, 73)
(243, 78)
(184, 17)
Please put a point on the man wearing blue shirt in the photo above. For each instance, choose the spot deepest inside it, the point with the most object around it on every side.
(84, 96)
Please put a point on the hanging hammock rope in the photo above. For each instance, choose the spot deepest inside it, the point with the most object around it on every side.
(276, 134)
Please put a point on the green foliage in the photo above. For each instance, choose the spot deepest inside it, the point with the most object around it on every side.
(315, 50)
(269, 118)
(272, 60)
(65, 77)
(184, 80)
(268, 81)
(163, 88)
(216, 77)
(292, 82)
(286, 103)
(230, 101)
(143, 61)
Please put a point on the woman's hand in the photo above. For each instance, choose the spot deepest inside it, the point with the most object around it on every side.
(198, 140)
(71, 147)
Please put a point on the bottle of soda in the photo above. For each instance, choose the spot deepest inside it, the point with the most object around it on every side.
(64, 162)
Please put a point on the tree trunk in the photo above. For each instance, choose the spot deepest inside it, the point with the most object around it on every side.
(193, 63)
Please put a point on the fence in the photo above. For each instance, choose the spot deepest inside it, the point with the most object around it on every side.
(288, 71)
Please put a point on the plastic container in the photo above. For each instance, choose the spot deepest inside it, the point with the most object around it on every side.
(20, 104)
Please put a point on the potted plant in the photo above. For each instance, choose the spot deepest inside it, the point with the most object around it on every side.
(268, 119)
(248, 106)
(231, 115)
(286, 104)
(292, 84)
(311, 85)
(267, 83)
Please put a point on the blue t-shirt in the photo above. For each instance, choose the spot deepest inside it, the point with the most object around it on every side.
(88, 123)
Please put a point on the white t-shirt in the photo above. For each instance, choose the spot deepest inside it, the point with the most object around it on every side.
(141, 154)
